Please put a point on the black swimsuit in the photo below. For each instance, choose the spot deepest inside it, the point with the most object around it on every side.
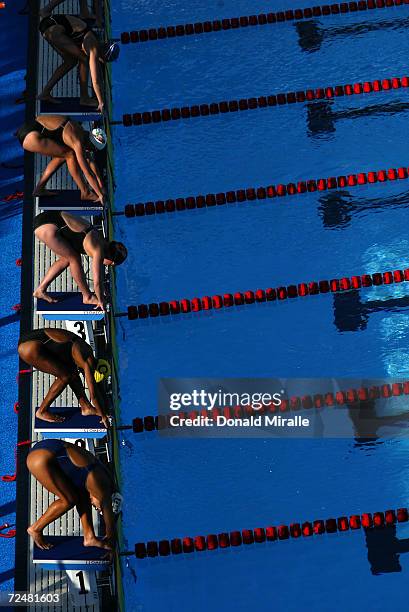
(35, 334)
(77, 37)
(41, 336)
(36, 126)
(76, 239)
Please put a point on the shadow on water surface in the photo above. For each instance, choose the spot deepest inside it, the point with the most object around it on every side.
(311, 34)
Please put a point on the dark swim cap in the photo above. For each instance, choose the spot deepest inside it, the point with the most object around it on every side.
(110, 51)
(116, 252)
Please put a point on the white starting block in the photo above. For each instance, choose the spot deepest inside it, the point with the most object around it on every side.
(75, 425)
(68, 200)
(71, 107)
(69, 307)
(82, 588)
(69, 553)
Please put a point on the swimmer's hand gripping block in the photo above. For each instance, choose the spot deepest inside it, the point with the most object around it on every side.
(74, 426)
(69, 553)
(72, 107)
(69, 307)
(69, 200)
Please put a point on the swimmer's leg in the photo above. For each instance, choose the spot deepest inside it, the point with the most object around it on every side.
(76, 385)
(70, 53)
(85, 513)
(36, 354)
(48, 234)
(50, 170)
(43, 466)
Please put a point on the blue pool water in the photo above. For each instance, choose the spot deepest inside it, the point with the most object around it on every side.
(174, 487)
(12, 85)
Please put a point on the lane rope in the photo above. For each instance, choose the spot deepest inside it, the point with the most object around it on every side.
(233, 23)
(294, 403)
(259, 535)
(335, 285)
(245, 104)
(11, 533)
(13, 477)
(251, 194)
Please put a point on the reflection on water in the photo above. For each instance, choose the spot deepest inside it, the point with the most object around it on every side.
(338, 208)
(321, 116)
(384, 549)
(352, 314)
(311, 34)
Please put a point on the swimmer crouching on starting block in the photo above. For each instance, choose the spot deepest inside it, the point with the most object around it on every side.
(66, 141)
(69, 237)
(63, 354)
(76, 43)
(78, 479)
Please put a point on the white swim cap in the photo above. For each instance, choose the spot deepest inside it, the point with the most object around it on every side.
(98, 138)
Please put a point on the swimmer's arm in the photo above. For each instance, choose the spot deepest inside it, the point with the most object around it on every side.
(97, 173)
(85, 167)
(108, 520)
(92, 388)
(96, 77)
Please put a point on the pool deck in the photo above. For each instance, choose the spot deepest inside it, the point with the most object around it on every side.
(33, 500)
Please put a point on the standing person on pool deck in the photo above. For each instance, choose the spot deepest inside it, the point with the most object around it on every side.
(78, 479)
(62, 354)
(69, 237)
(76, 43)
(65, 141)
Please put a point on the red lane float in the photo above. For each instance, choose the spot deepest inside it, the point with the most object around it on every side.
(251, 194)
(280, 99)
(17, 195)
(271, 533)
(11, 533)
(12, 477)
(216, 302)
(347, 397)
(233, 23)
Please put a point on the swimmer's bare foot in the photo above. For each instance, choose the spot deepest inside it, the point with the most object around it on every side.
(88, 101)
(39, 293)
(105, 421)
(39, 539)
(87, 409)
(47, 97)
(90, 299)
(44, 415)
(44, 192)
(93, 541)
(90, 196)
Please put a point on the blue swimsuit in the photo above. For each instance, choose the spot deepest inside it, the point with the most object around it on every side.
(77, 475)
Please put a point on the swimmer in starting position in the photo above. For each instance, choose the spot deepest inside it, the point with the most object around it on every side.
(76, 478)
(69, 237)
(76, 43)
(63, 354)
(65, 141)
